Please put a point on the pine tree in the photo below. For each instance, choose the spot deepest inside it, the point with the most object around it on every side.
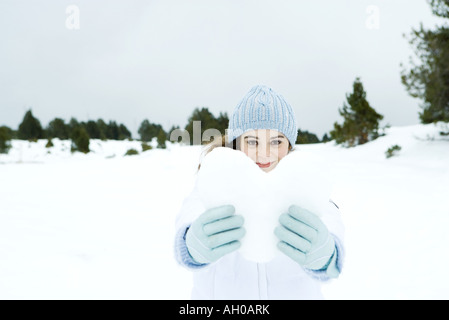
(173, 127)
(72, 126)
(30, 128)
(325, 138)
(429, 80)
(361, 121)
(148, 130)
(5, 139)
(80, 139)
(93, 130)
(145, 131)
(57, 129)
(102, 128)
(113, 131)
(123, 132)
(222, 122)
(207, 121)
(440, 8)
(161, 138)
(305, 137)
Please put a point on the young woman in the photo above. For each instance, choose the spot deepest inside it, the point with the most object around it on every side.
(263, 126)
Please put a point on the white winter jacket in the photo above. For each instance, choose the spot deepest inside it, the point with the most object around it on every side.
(233, 277)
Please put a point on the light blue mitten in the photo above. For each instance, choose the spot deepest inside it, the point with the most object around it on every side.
(214, 234)
(305, 239)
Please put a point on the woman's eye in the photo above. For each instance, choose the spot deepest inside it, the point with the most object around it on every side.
(276, 142)
(252, 142)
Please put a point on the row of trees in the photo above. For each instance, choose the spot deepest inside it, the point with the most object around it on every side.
(31, 129)
(360, 123)
(81, 132)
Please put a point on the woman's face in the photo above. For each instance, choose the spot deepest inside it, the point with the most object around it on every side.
(265, 147)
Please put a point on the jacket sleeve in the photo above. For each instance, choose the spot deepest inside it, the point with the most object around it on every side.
(335, 225)
(182, 254)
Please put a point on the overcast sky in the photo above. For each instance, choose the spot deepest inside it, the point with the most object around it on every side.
(133, 60)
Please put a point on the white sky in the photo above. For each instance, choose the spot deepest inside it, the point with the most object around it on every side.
(158, 60)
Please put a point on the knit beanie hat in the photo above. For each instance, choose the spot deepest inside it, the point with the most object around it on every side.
(262, 108)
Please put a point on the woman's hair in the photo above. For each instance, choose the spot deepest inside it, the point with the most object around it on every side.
(223, 142)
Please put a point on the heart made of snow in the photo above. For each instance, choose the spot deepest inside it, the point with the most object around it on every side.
(229, 176)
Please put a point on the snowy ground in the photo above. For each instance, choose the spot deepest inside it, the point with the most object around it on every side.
(101, 225)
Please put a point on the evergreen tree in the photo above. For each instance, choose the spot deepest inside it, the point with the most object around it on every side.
(170, 131)
(124, 133)
(429, 80)
(72, 125)
(148, 130)
(305, 137)
(5, 139)
(80, 139)
(144, 131)
(208, 121)
(57, 128)
(222, 122)
(161, 138)
(440, 8)
(113, 131)
(361, 121)
(102, 128)
(93, 130)
(30, 128)
(326, 138)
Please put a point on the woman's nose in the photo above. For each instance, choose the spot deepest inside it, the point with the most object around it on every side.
(264, 151)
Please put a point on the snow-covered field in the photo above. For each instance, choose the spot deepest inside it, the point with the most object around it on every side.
(101, 225)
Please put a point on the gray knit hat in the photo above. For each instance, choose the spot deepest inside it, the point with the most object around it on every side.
(262, 108)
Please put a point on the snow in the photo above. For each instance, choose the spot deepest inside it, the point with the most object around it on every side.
(230, 177)
(101, 225)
